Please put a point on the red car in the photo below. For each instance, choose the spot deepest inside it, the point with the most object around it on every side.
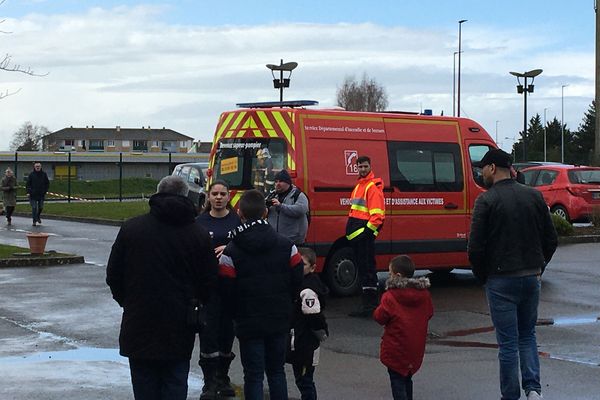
(569, 190)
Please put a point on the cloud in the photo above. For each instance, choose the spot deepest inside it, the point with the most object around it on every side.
(125, 66)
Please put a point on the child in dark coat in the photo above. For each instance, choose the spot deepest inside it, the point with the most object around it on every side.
(309, 327)
(405, 310)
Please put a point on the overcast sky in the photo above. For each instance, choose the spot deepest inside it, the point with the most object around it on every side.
(179, 64)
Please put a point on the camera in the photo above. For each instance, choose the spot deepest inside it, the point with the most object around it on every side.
(269, 199)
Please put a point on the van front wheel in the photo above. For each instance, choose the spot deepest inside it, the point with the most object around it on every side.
(341, 273)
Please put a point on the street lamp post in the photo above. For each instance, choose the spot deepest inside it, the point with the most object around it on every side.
(545, 133)
(512, 151)
(281, 82)
(454, 85)
(497, 132)
(459, 53)
(562, 123)
(524, 89)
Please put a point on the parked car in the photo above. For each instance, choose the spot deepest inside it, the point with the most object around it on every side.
(193, 174)
(569, 190)
(519, 166)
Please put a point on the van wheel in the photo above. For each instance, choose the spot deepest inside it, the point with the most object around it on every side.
(561, 212)
(341, 273)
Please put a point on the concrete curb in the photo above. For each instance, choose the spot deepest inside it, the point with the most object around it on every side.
(578, 239)
(33, 261)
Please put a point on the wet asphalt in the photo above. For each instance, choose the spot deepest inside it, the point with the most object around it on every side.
(59, 331)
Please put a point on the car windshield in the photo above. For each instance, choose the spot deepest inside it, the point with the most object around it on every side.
(584, 176)
(250, 163)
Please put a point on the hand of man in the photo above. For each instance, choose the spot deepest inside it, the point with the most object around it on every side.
(276, 202)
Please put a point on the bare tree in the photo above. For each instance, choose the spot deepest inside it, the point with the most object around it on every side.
(28, 137)
(6, 64)
(366, 95)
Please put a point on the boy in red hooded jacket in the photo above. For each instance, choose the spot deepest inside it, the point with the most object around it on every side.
(405, 310)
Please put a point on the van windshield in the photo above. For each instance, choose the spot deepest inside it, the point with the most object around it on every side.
(250, 163)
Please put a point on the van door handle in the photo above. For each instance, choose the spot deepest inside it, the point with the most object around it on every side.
(450, 206)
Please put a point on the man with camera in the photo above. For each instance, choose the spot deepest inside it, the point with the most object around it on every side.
(288, 209)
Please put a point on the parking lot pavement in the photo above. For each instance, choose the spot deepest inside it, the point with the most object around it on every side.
(59, 332)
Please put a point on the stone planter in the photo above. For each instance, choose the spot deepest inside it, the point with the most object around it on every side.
(37, 242)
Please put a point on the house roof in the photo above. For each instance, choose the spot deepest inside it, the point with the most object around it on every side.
(116, 133)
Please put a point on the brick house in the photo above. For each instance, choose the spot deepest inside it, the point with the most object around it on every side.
(127, 140)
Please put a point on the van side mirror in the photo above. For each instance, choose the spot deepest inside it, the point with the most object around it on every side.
(197, 181)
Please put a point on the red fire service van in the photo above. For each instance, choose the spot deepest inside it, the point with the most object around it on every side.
(425, 162)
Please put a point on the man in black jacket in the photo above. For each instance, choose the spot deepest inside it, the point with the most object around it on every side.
(266, 272)
(512, 240)
(37, 186)
(158, 263)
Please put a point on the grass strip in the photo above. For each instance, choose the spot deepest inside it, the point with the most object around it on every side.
(114, 211)
(7, 251)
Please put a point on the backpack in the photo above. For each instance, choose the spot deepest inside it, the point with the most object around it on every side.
(295, 196)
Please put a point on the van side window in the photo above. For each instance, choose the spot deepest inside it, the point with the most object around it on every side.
(476, 153)
(425, 167)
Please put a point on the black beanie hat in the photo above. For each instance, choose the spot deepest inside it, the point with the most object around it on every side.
(283, 176)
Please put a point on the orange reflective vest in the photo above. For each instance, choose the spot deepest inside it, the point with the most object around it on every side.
(367, 210)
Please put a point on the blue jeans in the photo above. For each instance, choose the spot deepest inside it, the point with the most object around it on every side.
(36, 208)
(159, 379)
(260, 356)
(304, 375)
(513, 306)
(402, 386)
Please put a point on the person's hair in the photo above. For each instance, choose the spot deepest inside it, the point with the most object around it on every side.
(403, 265)
(173, 185)
(252, 204)
(216, 182)
(309, 254)
(363, 159)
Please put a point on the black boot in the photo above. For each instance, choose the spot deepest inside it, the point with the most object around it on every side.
(224, 387)
(209, 372)
(369, 303)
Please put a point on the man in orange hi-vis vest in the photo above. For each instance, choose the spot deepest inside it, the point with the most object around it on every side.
(367, 212)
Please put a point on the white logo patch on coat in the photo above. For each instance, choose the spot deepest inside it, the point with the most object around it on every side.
(310, 303)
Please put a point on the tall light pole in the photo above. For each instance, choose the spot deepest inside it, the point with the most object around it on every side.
(459, 53)
(597, 94)
(497, 132)
(512, 151)
(545, 132)
(454, 85)
(562, 123)
(524, 89)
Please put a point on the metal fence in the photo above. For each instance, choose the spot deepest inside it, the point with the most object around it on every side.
(90, 166)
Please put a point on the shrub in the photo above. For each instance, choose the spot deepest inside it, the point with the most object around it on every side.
(562, 226)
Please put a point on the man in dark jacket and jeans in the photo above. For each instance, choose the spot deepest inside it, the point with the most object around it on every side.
(158, 263)
(265, 270)
(37, 186)
(512, 240)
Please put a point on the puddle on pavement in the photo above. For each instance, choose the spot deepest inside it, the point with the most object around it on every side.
(78, 354)
(575, 320)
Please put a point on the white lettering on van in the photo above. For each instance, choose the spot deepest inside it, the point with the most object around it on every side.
(415, 201)
(342, 129)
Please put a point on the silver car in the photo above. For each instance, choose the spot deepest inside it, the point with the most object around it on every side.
(193, 174)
